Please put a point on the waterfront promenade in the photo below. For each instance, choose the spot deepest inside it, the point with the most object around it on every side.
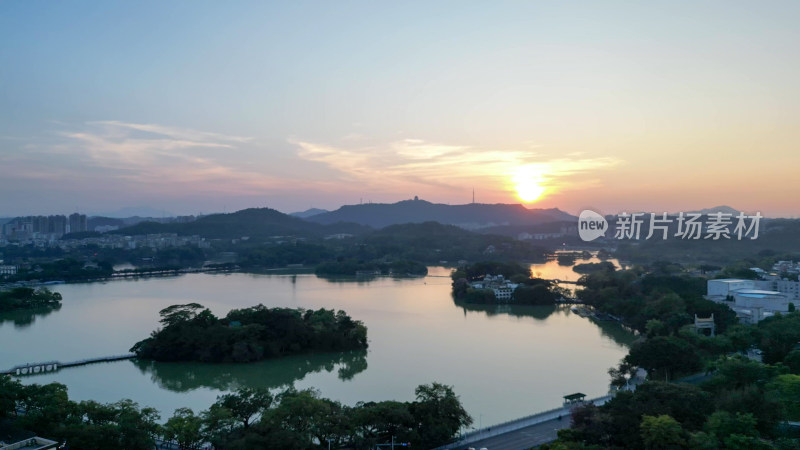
(521, 433)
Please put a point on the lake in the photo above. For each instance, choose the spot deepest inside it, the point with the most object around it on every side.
(504, 361)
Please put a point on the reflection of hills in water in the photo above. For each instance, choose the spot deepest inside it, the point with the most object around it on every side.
(270, 374)
(23, 318)
(365, 278)
(616, 331)
(538, 312)
(613, 330)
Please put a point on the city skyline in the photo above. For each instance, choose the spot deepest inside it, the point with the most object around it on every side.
(203, 107)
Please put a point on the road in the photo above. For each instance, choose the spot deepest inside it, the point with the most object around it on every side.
(524, 438)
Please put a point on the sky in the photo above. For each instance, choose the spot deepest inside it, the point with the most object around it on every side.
(199, 106)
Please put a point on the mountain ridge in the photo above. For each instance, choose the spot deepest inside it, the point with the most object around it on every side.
(471, 216)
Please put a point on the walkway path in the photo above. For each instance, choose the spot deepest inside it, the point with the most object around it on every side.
(520, 433)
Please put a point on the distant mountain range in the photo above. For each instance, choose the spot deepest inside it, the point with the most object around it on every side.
(718, 209)
(252, 222)
(135, 211)
(471, 216)
(308, 213)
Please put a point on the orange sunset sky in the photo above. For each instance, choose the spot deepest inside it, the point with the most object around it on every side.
(191, 107)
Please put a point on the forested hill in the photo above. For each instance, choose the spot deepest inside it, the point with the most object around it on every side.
(471, 216)
(431, 241)
(253, 222)
(776, 236)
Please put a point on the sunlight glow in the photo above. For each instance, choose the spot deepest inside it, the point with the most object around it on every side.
(529, 183)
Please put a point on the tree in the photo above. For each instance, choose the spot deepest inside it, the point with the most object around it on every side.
(665, 355)
(219, 424)
(738, 372)
(117, 425)
(137, 426)
(245, 403)
(792, 361)
(655, 327)
(723, 424)
(438, 414)
(742, 442)
(703, 441)
(304, 414)
(185, 428)
(44, 407)
(175, 314)
(621, 374)
(779, 335)
(785, 389)
(377, 422)
(10, 391)
(661, 432)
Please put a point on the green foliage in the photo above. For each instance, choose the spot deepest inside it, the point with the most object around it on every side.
(665, 357)
(785, 389)
(478, 270)
(439, 413)
(780, 335)
(638, 298)
(703, 441)
(774, 234)
(47, 411)
(722, 424)
(185, 428)
(661, 433)
(245, 404)
(244, 419)
(249, 334)
(792, 361)
(119, 425)
(301, 419)
(544, 293)
(287, 253)
(621, 374)
(594, 267)
(25, 297)
(479, 296)
(63, 269)
(531, 291)
(738, 372)
(376, 423)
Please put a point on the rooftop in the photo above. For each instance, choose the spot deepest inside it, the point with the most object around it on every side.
(758, 293)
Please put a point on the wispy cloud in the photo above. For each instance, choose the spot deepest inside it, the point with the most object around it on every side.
(415, 161)
(182, 134)
(154, 158)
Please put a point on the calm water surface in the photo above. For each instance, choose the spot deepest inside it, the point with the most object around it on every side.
(504, 361)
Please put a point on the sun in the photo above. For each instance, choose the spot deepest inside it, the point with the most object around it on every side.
(529, 184)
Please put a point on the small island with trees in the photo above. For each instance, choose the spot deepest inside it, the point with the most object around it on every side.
(502, 282)
(193, 333)
(585, 268)
(25, 298)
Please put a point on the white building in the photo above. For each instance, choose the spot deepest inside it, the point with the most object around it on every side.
(721, 289)
(750, 303)
(504, 292)
(503, 289)
(790, 288)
